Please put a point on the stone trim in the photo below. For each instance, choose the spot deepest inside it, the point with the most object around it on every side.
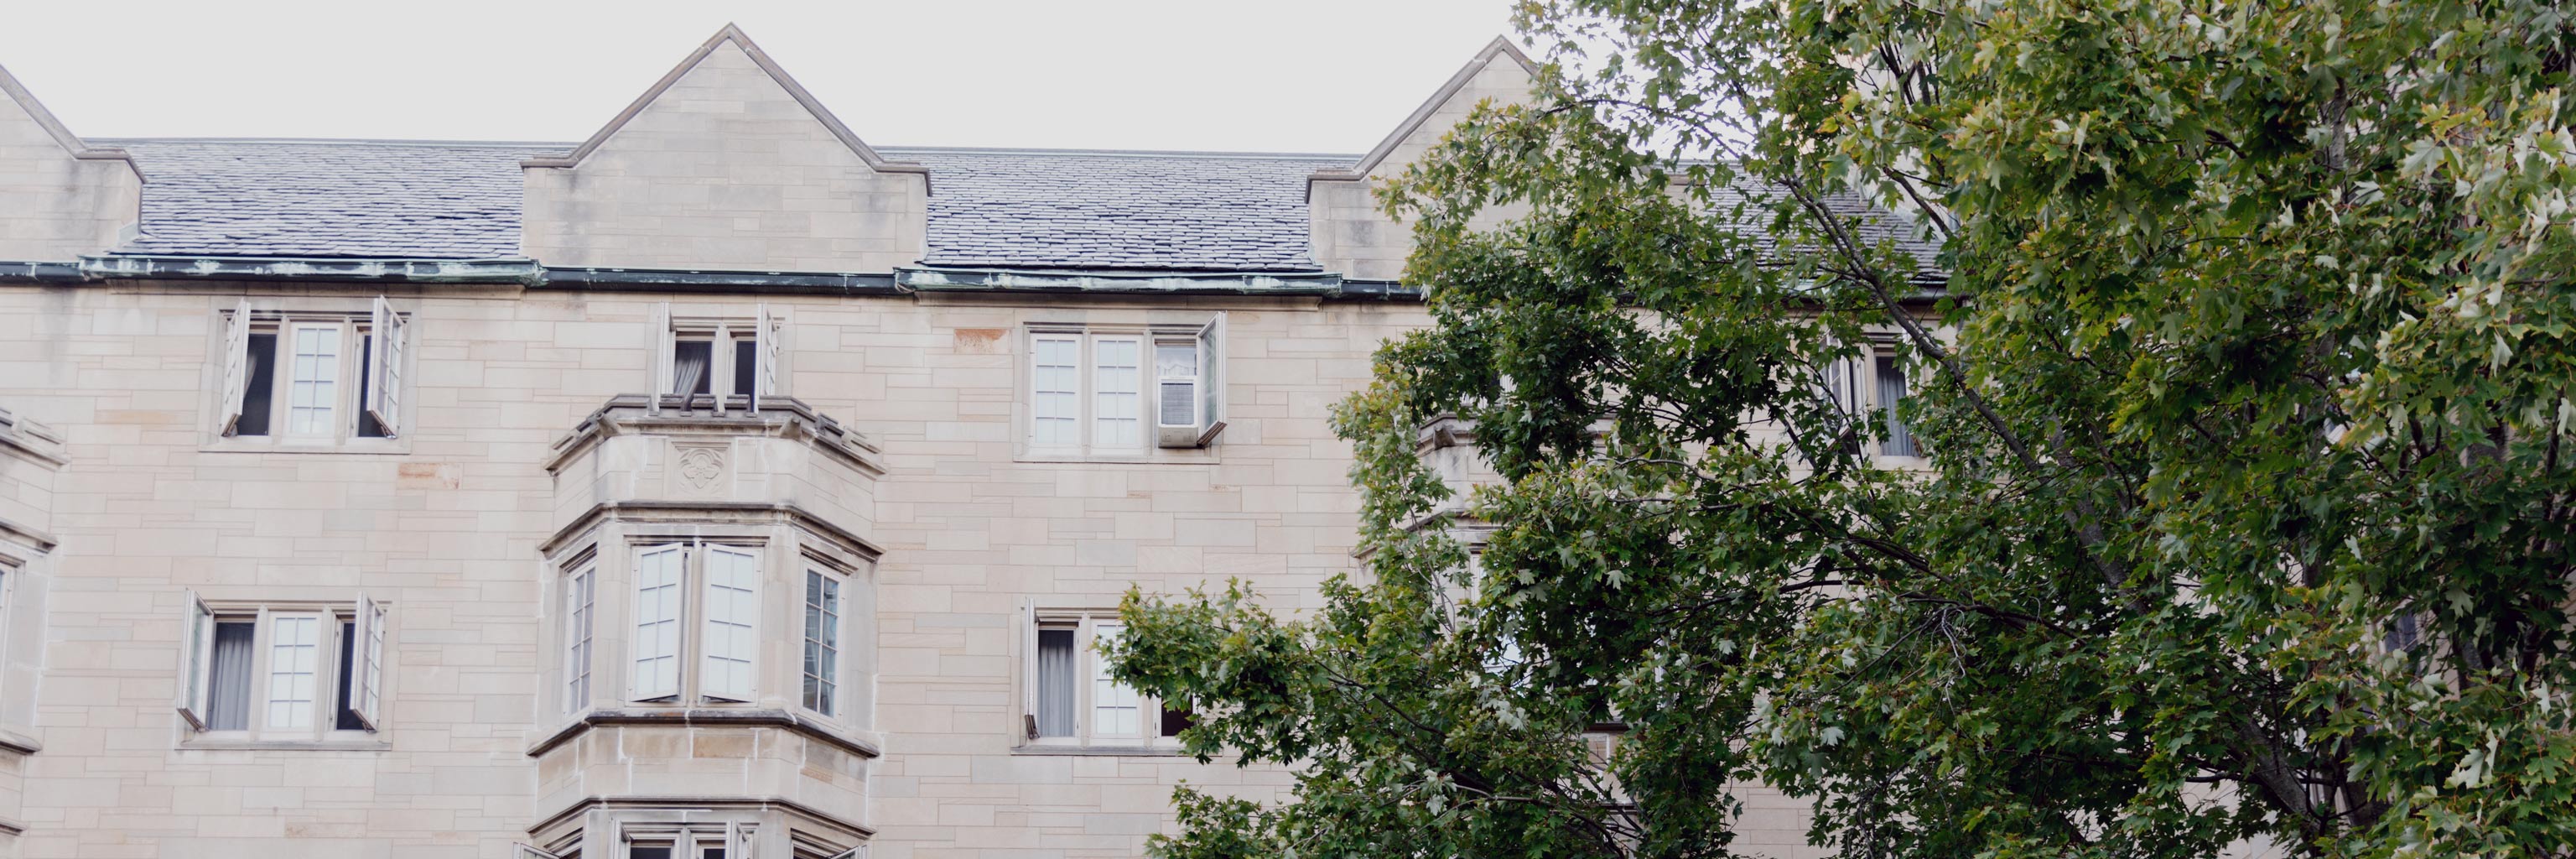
(734, 35)
(759, 803)
(787, 720)
(630, 412)
(700, 511)
(21, 744)
(71, 143)
(1501, 46)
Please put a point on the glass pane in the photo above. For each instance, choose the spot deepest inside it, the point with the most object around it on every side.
(657, 623)
(1055, 683)
(746, 366)
(293, 656)
(1055, 393)
(732, 577)
(313, 388)
(368, 427)
(690, 361)
(259, 395)
(228, 693)
(1892, 392)
(822, 641)
(347, 716)
(1113, 705)
(642, 852)
(1117, 394)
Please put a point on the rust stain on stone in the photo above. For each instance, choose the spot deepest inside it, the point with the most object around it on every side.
(979, 340)
(428, 475)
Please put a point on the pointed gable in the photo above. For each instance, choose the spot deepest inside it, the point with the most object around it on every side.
(1351, 235)
(60, 199)
(726, 163)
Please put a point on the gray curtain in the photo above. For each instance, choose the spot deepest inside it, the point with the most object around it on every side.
(1891, 393)
(1055, 683)
(228, 699)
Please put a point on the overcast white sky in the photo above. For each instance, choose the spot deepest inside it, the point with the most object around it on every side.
(1273, 75)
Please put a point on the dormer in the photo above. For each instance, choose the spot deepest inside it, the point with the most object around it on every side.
(60, 198)
(724, 164)
(1351, 235)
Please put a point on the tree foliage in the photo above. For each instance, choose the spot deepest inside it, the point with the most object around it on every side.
(2243, 370)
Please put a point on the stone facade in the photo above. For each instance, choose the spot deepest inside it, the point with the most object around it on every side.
(535, 473)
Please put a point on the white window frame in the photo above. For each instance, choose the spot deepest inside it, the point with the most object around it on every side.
(729, 635)
(836, 608)
(1851, 385)
(369, 621)
(767, 331)
(372, 350)
(1091, 416)
(687, 841)
(693, 622)
(1090, 627)
(580, 633)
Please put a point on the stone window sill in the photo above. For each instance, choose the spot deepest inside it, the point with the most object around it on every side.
(228, 745)
(1101, 751)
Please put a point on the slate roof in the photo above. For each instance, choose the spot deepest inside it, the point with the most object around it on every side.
(1021, 209)
(1026, 209)
(329, 199)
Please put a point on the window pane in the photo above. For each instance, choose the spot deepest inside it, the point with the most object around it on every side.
(1055, 683)
(578, 596)
(294, 653)
(1891, 393)
(657, 623)
(1113, 705)
(228, 694)
(1117, 393)
(1175, 720)
(746, 366)
(642, 852)
(346, 718)
(314, 390)
(822, 641)
(1176, 358)
(732, 607)
(690, 366)
(367, 425)
(1055, 392)
(259, 394)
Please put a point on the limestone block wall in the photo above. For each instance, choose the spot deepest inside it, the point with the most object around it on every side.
(1351, 235)
(725, 169)
(58, 198)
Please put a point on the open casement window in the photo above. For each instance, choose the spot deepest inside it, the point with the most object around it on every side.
(731, 637)
(717, 585)
(313, 377)
(1189, 384)
(1069, 698)
(716, 363)
(581, 613)
(286, 671)
(821, 691)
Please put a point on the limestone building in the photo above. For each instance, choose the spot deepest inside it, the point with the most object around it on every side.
(718, 486)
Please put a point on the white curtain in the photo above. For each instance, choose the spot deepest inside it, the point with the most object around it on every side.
(1891, 393)
(228, 700)
(686, 370)
(1055, 683)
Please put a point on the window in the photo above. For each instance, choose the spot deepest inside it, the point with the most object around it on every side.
(259, 670)
(699, 841)
(1071, 700)
(580, 611)
(313, 378)
(716, 362)
(1874, 387)
(1088, 392)
(822, 642)
(728, 611)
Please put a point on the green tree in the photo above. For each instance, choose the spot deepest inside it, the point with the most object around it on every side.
(2241, 342)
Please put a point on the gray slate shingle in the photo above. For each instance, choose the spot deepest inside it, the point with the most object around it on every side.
(328, 199)
(990, 208)
(1119, 211)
